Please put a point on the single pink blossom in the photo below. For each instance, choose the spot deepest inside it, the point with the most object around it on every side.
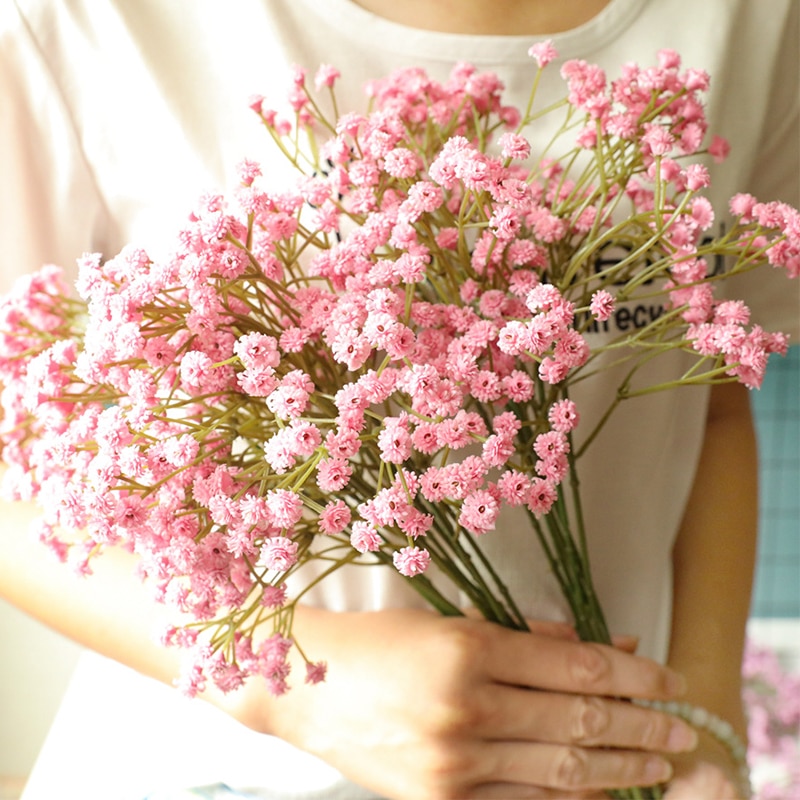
(279, 451)
(518, 386)
(554, 468)
(279, 553)
(514, 487)
(553, 372)
(497, 450)
(316, 671)
(571, 349)
(454, 433)
(551, 444)
(351, 349)
(425, 438)
(287, 401)
(543, 52)
(195, 368)
(257, 350)
(364, 537)
(479, 512)
(515, 146)
(658, 139)
(342, 443)
(402, 163)
(273, 596)
(333, 474)
(394, 440)
(305, 437)
(742, 205)
(702, 212)
(697, 177)
(732, 311)
(415, 523)
(513, 337)
(563, 416)
(668, 59)
(423, 197)
(719, 148)
(285, 507)
(411, 561)
(334, 518)
(486, 386)
(257, 382)
(541, 496)
(602, 305)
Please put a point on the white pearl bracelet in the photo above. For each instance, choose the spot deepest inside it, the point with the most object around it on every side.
(720, 729)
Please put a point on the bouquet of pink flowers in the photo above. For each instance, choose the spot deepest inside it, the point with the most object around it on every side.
(366, 365)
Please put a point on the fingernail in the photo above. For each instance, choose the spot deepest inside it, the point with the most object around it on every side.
(657, 770)
(681, 738)
(625, 642)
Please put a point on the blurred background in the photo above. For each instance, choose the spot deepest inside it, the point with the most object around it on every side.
(36, 664)
(777, 413)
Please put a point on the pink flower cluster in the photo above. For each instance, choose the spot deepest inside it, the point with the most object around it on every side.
(719, 329)
(772, 701)
(367, 359)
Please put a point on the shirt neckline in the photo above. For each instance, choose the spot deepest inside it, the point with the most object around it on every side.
(349, 19)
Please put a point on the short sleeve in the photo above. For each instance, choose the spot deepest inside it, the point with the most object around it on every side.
(773, 298)
(50, 207)
(776, 172)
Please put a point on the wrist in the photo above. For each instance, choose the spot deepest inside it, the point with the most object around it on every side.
(719, 743)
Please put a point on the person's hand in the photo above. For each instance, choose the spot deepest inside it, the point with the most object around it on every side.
(417, 706)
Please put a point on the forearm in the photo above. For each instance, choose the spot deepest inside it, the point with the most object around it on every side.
(714, 557)
(109, 612)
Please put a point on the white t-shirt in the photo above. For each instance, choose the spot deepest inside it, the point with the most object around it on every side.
(116, 116)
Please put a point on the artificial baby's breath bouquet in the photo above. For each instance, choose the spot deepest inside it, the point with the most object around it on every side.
(365, 366)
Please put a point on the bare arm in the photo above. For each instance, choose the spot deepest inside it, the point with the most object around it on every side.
(109, 612)
(714, 557)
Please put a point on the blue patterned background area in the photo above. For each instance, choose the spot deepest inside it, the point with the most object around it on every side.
(777, 412)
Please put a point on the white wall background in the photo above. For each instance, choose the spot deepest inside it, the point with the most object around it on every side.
(35, 667)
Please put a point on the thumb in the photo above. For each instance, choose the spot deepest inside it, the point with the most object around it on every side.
(563, 630)
(557, 630)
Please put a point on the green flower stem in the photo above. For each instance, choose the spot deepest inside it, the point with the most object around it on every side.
(426, 589)
(468, 578)
(510, 604)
